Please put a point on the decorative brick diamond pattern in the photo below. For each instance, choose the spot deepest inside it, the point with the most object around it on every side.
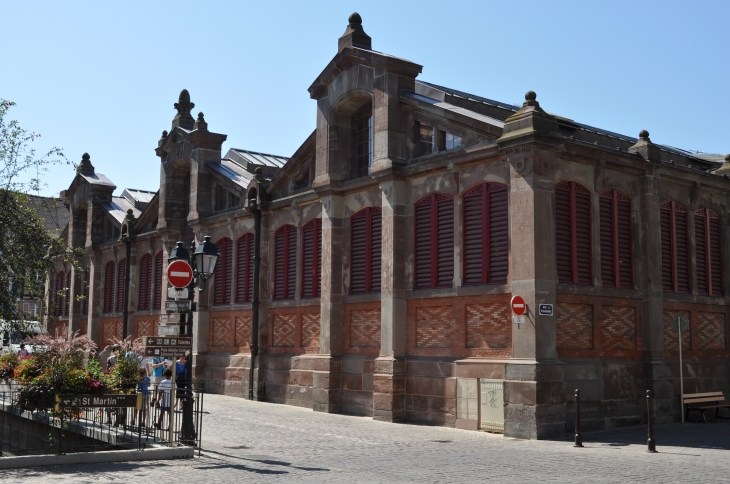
(434, 327)
(365, 328)
(84, 327)
(111, 330)
(574, 326)
(222, 331)
(242, 337)
(310, 332)
(285, 329)
(487, 326)
(618, 329)
(671, 339)
(711, 331)
(147, 327)
(60, 329)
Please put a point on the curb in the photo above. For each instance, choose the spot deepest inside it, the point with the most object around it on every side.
(164, 453)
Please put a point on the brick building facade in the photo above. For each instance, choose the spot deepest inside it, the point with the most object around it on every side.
(393, 239)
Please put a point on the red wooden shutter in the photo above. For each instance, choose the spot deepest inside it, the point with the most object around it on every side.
(109, 287)
(87, 277)
(244, 268)
(311, 258)
(121, 269)
(158, 281)
(498, 233)
(423, 243)
(444, 224)
(583, 250)
(701, 252)
(667, 250)
(375, 242)
(222, 291)
(59, 294)
(715, 264)
(682, 245)
(145, 269)
(563, 231)
(358, 252)
(615, 233)
(573, 233)
(285, 262)
(67, 294)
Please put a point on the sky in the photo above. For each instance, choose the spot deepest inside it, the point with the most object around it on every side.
(102, 77)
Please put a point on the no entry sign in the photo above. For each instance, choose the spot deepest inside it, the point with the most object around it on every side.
(179, 273)
(518, 305)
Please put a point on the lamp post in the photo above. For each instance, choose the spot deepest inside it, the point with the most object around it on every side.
(203, 262)
(254, 208)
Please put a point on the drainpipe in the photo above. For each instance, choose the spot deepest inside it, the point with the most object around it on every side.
(255, 303)
(127, 239)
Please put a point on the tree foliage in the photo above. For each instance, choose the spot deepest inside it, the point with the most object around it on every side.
(27, 248)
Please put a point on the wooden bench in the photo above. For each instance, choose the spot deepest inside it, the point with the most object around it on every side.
(695, 401)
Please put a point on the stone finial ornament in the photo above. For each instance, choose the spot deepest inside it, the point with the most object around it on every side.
(183, 118)
(200, 124)
(354, 35)
(644, 134)
(85, 166)
(645, 148)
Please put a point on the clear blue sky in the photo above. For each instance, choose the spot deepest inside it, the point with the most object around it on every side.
(102, 77)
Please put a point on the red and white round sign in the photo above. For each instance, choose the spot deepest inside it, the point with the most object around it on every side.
(518, 305)
(179, 273)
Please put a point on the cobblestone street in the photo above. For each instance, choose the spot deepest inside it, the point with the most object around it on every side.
(258, 442)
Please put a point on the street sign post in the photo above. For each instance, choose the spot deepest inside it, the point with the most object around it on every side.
(680, 323)
(175, 293)
(179, 274)
(518, 310)
(179, 306)
(545, 309)
(168, 330)
(182, 341)
(166, 351)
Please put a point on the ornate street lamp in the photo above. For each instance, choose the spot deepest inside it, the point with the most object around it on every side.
(204, 261)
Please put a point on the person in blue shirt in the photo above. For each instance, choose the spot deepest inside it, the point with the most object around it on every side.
(143, 387)
(158, 366)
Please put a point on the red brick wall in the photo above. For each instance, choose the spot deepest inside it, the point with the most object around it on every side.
(598, 327)
(84, 327)
(229, 332)
(478, 326)
(146, 326)
(111, 329)
(294, 330)
(707, 337)
(60, 329)
(361, 329)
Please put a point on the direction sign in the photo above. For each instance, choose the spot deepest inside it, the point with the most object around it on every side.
(168, 330)
(181, 341)
(182, 305)
(545, 309)
(680, 322)
(518, 305)
(166, 351)
(180, 274)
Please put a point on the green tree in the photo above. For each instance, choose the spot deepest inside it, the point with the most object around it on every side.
(27, 248)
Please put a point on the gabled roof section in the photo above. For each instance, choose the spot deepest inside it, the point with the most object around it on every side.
(118, 207)
(232, 171)
(247, 158)
(139, 198)
(97, 179)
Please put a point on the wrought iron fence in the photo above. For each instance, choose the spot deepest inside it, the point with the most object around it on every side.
(63, 425)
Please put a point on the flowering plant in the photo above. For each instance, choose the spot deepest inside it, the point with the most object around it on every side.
(8, 363)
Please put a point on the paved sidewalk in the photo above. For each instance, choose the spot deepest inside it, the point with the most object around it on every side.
(260, 442)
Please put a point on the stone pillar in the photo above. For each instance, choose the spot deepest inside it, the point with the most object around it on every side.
(327, 369)
(76, 306)
(96, 297)
(389, 379)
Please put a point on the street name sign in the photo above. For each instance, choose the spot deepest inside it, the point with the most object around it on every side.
(545, 309)
(179, 274)
(181, 305)
(168, 330)
(166, 351)
(102, 401)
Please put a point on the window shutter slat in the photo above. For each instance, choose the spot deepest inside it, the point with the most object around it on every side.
(244, 268)
(67, 293)
(667, 260)
(108, 286)
(498, 234)
(701, 252)
(562, 235)
(376, 247)
(626, 260)
(423, 243)
(474, 236)
(606, 230)
(445, 240)
(583, 237)
(682, 251)
(715, 255)
(291, 263)
(285, 255)
(358, 253)
(158, 281)
(308, 259)
(121, 269)
(318, 246)
(279, 261)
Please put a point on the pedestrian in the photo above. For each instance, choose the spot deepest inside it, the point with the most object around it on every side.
(104, 356)
(162, 397)
(143, 387)
(112, 360)
(181, 379)
(158, 366)
(23, 353)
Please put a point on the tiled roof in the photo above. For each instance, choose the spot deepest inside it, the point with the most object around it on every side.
(52, 211)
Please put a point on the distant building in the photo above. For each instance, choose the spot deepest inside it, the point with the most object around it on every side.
(393, 241)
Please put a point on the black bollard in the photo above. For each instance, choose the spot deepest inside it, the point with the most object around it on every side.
(650, 442)
(578, 436)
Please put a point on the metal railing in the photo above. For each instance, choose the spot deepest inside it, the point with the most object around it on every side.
(47, 429)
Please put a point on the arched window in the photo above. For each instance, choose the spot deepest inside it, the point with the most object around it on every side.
(222, 293)
(312, 258)
(157, 303)
(675, 247)
(361, 141)
(60, 277)
(145, 279)
(121, 271)
(434, 241)
(109, 287)
(486, 235)
(244, 268)
(708, 252)
(87, 278)
(67, 294)
(615, 224)
(365, 250)
(573, 233)
(285, 262)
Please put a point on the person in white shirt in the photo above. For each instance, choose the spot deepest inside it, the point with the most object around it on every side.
(162, 396)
